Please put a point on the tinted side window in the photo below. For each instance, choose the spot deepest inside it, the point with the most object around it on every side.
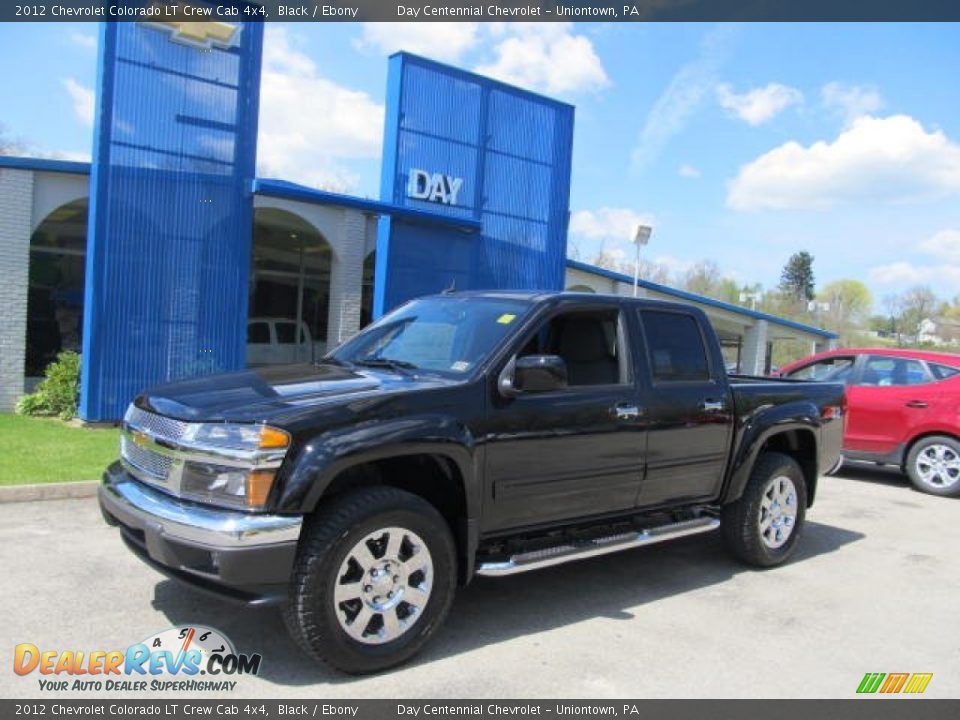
(588, 343)
(833, 369)
(942, 372)
(258, 333)
(889, 371)
(675, 346)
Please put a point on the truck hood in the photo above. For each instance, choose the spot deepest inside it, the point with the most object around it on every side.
(267, 394)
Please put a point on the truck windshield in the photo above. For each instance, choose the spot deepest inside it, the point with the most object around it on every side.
(446, 335)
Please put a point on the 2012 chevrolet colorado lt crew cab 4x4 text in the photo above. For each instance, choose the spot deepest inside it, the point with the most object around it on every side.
(466, 434)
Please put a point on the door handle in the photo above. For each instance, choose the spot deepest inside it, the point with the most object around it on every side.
(712, 406)
(920, 404)
(626, 412)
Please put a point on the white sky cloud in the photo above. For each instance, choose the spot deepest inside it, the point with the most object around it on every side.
(310, 124)
(688, 171)
(82, 98)
(944, 268)
(87, 41)
(615, 224)
(851, 101)
(944, 245)
(682, 97)
(874, 160)
(896, 273)
(446, 41)
(758, 105)
(548, 57)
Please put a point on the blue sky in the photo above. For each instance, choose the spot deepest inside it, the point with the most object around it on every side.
(738, 143)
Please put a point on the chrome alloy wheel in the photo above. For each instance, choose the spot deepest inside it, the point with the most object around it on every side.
(938, 466)
(383, 585)
(778, 511)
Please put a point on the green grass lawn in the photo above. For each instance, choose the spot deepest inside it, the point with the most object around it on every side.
(46, 450)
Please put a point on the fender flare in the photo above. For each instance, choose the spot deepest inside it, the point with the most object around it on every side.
(760, 427)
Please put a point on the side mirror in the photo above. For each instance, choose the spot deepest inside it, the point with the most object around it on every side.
(533, 374)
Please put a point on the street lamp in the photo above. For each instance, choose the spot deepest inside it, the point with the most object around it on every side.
(641, 239)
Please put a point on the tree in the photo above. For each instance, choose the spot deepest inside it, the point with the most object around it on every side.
(850, 301)
(702, 278)
(917, 304)
(616, 261)
(7, 144)
(796, 280)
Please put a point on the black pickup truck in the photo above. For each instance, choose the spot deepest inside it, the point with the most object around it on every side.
(463, 434)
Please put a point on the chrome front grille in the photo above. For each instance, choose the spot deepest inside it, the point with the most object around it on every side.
(140, 447)
(156, 467)
(157, 425)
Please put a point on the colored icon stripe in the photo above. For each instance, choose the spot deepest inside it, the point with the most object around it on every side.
(894, 682)
(870, 682)
(918, 682)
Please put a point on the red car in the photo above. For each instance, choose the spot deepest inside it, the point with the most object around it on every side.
(903, 408)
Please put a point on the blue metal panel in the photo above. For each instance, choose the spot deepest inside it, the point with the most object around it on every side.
(512, 151)
(168, 249)
(43, 164)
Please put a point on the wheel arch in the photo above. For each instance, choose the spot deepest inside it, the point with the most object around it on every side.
(928, 433)
(427, 472)
(801, 445)
(796, 440)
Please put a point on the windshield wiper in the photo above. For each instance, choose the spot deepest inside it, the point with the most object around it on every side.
(389, 363)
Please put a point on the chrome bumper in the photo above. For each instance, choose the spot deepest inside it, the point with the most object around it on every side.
(244, 557)
(139, 506)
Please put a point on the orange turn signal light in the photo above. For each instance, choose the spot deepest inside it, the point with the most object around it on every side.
(259, 483)
(271, 438)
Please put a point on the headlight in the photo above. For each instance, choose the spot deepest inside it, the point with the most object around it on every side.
(232, 464)
(234, 436)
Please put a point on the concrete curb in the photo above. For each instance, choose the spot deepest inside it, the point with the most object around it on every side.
(49, 491)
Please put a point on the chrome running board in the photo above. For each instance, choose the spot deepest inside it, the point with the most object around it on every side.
(537, 559)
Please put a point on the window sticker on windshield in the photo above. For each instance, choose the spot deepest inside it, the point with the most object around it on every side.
(460, 366)
(506, 318)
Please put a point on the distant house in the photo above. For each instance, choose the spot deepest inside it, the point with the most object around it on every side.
(939, 331)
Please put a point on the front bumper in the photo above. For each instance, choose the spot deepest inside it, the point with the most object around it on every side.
(244, 556)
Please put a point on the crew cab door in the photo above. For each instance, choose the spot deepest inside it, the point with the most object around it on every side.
(687, 403)
(575, 451)
(888, 398)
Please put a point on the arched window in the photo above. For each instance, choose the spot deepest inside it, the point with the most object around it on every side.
(58, 249)
(289, 290)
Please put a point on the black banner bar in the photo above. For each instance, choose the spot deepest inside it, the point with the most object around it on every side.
(480, 11)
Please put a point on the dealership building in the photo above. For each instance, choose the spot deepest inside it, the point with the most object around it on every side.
(166, 257)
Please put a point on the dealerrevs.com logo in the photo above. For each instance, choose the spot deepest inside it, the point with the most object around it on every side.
(184, 659)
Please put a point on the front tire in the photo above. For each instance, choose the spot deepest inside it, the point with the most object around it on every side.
(762, 527)
(933, 466)
(374, 578)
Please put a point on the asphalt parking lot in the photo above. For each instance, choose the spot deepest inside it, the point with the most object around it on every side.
(874, 588)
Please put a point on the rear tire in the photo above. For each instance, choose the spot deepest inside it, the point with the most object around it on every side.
(763, 527)
(933, 466)
(374, 578)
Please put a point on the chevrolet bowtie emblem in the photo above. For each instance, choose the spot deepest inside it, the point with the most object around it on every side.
(140, 438)
(199, 33)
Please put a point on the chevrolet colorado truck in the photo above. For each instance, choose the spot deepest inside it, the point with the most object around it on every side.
(463, 435)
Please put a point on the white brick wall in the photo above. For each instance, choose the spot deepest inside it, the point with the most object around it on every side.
(16, 201)
(346, 277)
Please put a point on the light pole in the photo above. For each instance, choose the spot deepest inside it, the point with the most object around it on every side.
(641, 238)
